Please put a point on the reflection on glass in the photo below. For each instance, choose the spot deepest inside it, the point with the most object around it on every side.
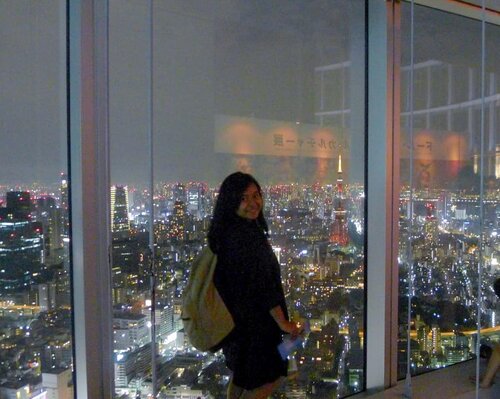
(449, 221)
(265, 88)
(35, 291)
(489, 4)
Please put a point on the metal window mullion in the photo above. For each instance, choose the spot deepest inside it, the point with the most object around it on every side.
(382, 194)
(152, 251)
(481, 194)
(469, 10)
(411, 90)
(89, 182)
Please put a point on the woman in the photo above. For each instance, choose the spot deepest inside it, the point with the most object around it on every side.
(248, 279)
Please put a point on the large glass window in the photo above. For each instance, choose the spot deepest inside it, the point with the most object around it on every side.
(275, 89)
(35, 290)
(449, 189)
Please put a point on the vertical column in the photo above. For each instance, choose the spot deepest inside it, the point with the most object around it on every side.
(89, 179)
(382, 194)
(492, 141)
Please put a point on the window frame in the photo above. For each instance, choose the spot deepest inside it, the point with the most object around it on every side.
(89, 188)
(89, 197)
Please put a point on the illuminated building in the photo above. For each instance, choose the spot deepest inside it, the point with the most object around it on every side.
(165, 320)
(436, 339)
(422, 333)
(178, 225)
(20, 203)
(56, 353)
(455, 355)
(119, 210)
(179, 192)
(21, 251)
(339, 233)
(64, 204)
(58, 383)
(21, 390)
(46, 296)
(130, 331)
(128, 365)
(196, 200)
(431, 223)
(51, 217)
(183, 392)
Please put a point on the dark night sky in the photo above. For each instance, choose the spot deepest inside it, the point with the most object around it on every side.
(32, 75)
(237, 58)
(207, 63)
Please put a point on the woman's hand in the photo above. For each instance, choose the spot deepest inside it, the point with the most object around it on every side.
(290, 327)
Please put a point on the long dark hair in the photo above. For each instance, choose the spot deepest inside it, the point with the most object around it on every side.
(229, 199)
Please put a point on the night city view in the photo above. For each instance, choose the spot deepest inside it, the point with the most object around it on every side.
(317, 233)
(283, 90)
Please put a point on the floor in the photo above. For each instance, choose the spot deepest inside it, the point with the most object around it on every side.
(452, 382)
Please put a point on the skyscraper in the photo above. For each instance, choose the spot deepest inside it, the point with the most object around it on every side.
(178, 226)
(179, 192)
(21, 252)
(51, 219)
(119, 210)
(64, 205)
(196, 199)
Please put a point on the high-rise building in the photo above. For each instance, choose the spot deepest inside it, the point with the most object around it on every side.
(196, 200)
(119, 210)
(57, 353)
(21, 252)
(64, 204)
(50, 216)
(166, 321)
(19, 202)
(130, 331)
(178, 225)
(436, 339)
(62, 288)
(128, 365)
(179, 192)
(47, 296)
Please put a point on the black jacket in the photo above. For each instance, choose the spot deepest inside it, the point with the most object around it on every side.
(249, 280)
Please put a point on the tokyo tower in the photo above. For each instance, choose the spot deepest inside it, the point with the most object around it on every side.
(338, 232)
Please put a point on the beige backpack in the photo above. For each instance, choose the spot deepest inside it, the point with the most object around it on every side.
(204, 315)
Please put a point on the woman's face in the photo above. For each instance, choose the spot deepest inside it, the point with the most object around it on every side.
(251, 203)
